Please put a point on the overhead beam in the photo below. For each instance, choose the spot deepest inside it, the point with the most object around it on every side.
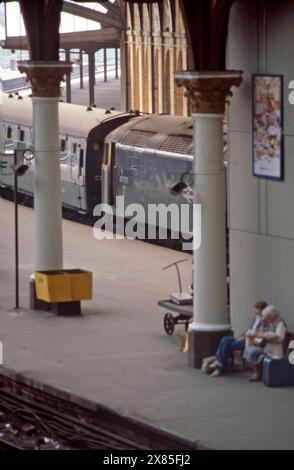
(111, 7)
(107, 37)
(89, 14)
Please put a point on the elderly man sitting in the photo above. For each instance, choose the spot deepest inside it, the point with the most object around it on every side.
(229, 344)
(268, 341)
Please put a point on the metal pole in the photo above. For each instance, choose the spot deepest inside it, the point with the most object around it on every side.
(81, 70)
(95, 82)
(67, 79)
(105, 64)
(16, 236)
(116, 63)
(179, 278)
(91, 61)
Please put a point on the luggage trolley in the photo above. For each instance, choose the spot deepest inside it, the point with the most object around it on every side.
(180, 303)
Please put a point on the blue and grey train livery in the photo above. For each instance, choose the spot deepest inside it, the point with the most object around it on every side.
(105, 154)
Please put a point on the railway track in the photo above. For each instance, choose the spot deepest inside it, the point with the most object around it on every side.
(79, 425)
(6, 445)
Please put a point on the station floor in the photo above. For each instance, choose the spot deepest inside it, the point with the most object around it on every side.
(118, 354)
(107, 94)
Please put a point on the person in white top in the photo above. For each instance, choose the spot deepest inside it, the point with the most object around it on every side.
(229, 344)
(268, 341)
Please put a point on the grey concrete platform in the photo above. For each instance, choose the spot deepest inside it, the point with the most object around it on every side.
(107, 94)
(117, 354)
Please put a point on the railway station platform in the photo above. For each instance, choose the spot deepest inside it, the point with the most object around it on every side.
(107, 94)
(117, 354)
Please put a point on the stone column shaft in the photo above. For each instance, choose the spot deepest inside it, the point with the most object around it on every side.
(208, 93)
(45, 78)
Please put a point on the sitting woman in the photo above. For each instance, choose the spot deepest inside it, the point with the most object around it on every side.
(267, 342)
(229, 344)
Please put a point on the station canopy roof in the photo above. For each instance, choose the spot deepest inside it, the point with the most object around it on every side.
(75, 16)
(83, 25)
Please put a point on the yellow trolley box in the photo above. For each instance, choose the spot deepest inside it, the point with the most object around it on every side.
(81, 284)
(69, 285)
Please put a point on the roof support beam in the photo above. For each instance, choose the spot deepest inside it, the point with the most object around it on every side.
(94, 15)
(111, 8)
(107, 37)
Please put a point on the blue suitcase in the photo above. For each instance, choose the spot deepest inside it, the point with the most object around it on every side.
(278, 372)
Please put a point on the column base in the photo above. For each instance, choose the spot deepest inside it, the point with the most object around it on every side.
(203, 344)
(67, 309)
(36, 304)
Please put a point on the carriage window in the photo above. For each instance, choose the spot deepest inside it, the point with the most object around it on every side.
(74, 148)
(9, 132)
(107, 154)
(62, 145)
(81, 160)
(21, 136)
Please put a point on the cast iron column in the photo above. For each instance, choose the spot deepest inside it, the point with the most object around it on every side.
(67, 80)
(208, 93)
(45, 78)
(91, 56)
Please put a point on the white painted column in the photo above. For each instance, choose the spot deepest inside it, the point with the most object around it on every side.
(210, 289)
(48, 215)
(208, 93)
(45, 78)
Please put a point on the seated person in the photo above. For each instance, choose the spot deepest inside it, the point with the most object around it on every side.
(267, 342)
(229, 344)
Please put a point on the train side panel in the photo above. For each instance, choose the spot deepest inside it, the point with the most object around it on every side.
(145, 177)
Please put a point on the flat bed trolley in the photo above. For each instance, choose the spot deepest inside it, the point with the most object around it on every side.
(183, 317)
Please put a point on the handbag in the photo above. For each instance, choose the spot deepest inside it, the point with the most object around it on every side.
(260, 342)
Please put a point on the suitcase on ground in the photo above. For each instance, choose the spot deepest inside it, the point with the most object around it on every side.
(278, 373)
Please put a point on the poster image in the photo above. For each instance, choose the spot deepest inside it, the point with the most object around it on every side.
(268, 126)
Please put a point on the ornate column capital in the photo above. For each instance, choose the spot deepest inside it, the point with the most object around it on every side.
(45, 77)
(208, 92)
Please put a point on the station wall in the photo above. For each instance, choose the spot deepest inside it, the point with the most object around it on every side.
(261, 212)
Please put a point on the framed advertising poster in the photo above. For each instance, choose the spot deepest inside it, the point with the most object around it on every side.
(268, 148)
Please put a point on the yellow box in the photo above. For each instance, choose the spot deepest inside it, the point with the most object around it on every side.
(53, 286)
(69, 285)
(81, 284)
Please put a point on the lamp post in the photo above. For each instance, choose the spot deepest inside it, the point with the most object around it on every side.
(16, 235)
(19, 168)
(11, 165)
